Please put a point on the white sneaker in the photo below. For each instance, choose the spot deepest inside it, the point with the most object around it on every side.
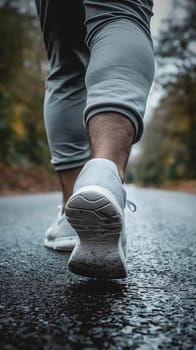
(96, 211)
(60, 235)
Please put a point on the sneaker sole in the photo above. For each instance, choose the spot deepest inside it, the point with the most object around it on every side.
(98, 219)
(63, 244)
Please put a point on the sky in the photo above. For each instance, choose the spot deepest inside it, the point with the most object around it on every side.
(161, 11)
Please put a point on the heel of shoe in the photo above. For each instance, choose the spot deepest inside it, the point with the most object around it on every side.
(98, 258)
(98, 221)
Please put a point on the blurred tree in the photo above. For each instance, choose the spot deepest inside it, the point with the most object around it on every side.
(10, 61)
(169, 142)
(177, 46)
(22, 70)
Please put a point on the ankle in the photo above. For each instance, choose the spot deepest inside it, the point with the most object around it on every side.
(67, 180)
(111, 136)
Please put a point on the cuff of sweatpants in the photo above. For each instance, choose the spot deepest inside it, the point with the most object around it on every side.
(70, 157)
(70, 165)
(137, 122)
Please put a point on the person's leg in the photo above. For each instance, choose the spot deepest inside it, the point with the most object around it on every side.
(118, 80)
(65, 93)
(65, 97)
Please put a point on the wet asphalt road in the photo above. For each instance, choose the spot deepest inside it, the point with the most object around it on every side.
(43, 306)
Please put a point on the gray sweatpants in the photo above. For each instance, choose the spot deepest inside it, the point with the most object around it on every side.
(101, 60)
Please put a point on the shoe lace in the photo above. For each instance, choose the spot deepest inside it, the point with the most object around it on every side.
(131, 206)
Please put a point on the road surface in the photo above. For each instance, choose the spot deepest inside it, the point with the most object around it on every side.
(43, 306)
